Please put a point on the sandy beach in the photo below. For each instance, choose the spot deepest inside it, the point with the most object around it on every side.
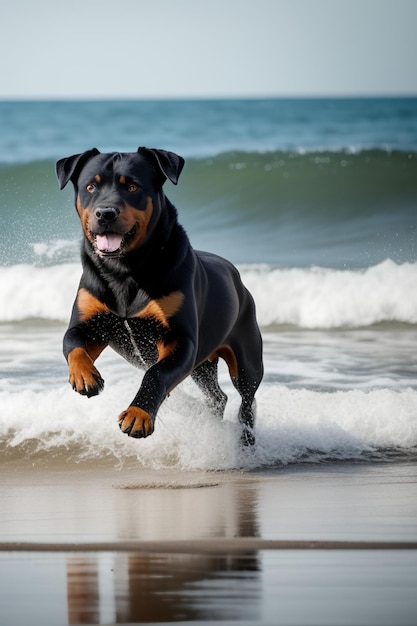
(323, 544)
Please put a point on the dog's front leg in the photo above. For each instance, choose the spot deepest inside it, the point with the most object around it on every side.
(176, 361)
(81, 354)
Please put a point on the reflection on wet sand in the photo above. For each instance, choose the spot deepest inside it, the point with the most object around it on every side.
(119, 588)
(122, 588)
(182, 511)
(205, 547)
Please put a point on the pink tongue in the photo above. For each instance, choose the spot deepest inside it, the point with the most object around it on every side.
(109, 242)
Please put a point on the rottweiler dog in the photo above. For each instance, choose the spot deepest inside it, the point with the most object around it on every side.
(149, 295)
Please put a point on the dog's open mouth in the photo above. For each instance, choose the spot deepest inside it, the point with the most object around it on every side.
(108, 243)
(112, 244)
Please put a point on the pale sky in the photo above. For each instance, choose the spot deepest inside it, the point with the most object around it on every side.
(207, 48)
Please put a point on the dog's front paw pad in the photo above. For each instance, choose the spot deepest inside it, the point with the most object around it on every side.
(136, 422)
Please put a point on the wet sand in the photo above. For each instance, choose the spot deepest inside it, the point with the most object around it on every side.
(332, 544)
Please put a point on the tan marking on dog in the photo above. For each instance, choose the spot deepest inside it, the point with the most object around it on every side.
(227, 354)
(122, 180)
(139, 419)
(82, 373)
(89, 306)
(97, 178)
(163, 308)
(95, 348)
(165, 350)
(131, 216)
(83, 215)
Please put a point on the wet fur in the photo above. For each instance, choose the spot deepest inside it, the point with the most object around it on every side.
(162, 305)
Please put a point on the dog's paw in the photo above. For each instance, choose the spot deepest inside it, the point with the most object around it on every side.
(136, 422)
(83, 376)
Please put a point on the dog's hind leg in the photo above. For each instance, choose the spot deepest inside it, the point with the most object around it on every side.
(206, 378)
(246, 370)
(246, 382)
(247, 410)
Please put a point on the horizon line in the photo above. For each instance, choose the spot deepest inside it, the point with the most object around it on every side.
(306, 96)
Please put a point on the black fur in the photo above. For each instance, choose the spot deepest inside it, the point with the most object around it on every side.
(146, 293)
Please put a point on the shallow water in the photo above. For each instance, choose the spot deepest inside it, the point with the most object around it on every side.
(345, 394)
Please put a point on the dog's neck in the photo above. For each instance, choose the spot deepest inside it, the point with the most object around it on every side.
(149, 268)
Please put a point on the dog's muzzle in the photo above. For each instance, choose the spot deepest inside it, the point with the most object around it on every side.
(108, 242)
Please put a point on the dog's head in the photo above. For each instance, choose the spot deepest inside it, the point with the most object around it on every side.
(119, 196)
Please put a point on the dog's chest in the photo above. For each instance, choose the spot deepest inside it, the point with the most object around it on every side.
(126, 299)
(132, 323)
(135, 339)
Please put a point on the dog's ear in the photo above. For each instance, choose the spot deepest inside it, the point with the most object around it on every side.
(169, 163)
(69, 168)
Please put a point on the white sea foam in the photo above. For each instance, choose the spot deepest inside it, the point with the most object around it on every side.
(28, 292)
(292, 426)
(328, 298)
(305, 297)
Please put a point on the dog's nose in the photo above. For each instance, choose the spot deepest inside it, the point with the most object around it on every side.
(106, 214)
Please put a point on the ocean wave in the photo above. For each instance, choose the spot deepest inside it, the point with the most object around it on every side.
(28, 292)
(293, 426)
(326, 298)
(318, 182)
(323, 187)
(323, 208)
(304, 297)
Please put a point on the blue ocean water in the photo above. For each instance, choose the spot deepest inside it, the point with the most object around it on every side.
(315, 200)
(288, 182)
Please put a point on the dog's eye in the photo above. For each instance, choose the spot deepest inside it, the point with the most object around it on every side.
(132, 187)
(91, 187)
